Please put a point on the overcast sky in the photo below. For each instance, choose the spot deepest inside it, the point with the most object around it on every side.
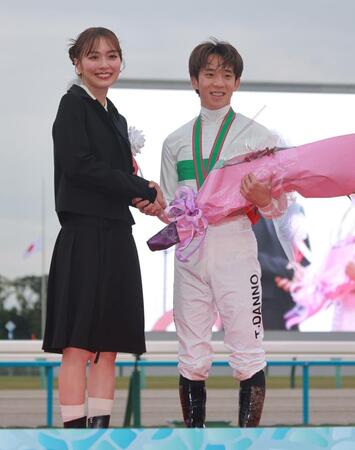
(303, 41)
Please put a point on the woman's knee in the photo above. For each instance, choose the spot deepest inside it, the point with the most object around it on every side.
(106, 358)
(76, 355)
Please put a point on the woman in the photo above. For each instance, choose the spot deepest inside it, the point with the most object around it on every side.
(95, 303)
(314, 288)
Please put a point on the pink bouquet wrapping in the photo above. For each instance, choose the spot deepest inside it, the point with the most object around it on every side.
(316, 290)
(320, 169)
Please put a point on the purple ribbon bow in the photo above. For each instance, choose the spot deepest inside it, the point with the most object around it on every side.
(189, 219)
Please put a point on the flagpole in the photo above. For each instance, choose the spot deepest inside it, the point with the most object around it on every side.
(165, 281)
(43, 260)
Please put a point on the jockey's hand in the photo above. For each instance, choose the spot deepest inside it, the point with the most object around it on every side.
(256, 192)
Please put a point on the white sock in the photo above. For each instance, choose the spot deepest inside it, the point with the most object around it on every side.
(71, 412)
(99, 406)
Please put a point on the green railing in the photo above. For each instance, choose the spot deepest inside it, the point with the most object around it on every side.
(133, 410)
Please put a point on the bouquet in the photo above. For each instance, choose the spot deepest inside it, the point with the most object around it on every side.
(320, 169)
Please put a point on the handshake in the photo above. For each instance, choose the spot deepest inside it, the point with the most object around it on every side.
(151, 209)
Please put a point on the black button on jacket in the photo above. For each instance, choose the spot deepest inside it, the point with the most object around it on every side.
(93, 171)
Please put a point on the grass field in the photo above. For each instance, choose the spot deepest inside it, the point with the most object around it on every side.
(171, 382)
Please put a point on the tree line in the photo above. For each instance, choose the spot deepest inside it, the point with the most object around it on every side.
(20, 303)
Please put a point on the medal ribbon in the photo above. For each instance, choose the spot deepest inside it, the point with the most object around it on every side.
(201, 168)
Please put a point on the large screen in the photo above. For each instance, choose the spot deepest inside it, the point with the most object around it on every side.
(298, 117)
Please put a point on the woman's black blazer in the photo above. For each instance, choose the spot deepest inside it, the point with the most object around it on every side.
(93, 171)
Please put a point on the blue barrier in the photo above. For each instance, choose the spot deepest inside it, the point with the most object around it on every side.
(306, 365)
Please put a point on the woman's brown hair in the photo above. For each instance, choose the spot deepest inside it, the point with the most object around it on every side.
(88, 39)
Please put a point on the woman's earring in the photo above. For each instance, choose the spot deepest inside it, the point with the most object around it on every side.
(77, 72)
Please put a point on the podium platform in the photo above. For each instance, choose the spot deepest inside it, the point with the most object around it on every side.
(285, 438)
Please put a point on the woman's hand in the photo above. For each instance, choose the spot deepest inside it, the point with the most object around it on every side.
(151, 209)
(283, 283)
(350, 270)
(291, 285)
(256, 192)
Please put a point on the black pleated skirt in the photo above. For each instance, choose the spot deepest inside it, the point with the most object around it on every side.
(95, 298)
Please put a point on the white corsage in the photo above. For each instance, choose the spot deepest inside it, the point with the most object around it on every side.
(136, 139)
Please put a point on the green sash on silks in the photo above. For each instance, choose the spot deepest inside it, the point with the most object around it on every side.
(199, 168)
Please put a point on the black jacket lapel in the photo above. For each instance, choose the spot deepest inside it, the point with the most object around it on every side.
(113, 115)
(112, 118)
(118, 122)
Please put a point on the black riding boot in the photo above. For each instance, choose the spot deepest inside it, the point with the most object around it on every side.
(76, 423)
(251, 400)
(99, 421)
(193, 402)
